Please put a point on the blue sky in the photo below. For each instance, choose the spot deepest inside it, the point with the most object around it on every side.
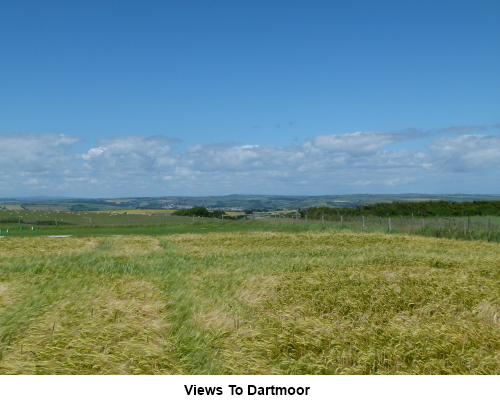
(152, 98)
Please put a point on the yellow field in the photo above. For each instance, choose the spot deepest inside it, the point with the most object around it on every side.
(13, 207)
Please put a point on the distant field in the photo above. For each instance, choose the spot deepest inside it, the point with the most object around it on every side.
(138, 212)
(45, 208)
(12, 207)
(331, 302)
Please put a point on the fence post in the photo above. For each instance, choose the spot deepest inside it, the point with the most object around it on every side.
(390, 227)
(193, 219)
(322, 221)
(363, 219)
(423, 224)
(341, 221)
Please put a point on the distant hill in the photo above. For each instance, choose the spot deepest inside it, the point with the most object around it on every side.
(35, 198)
(235, 202)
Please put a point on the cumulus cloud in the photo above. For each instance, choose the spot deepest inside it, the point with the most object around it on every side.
(133, 153)
(35, 152)
(468, 152)
(140, 165)
(355, 144)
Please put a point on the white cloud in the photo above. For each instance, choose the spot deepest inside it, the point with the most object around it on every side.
(31, 182)
(326, 164)
(356, 144)
(93, 153)
(35, 152)
(468, 152)
(131, 154)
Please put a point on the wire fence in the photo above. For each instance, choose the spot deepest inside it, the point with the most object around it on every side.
(472, 228)
(90, 219)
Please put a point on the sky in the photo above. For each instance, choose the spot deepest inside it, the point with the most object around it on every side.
(192, 98)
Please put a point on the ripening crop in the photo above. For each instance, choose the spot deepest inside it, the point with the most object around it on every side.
(331, 302)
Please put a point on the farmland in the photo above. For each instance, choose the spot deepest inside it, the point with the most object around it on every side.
(254, 297)
(159, 222)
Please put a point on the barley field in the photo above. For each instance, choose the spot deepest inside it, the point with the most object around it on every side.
(260, 302)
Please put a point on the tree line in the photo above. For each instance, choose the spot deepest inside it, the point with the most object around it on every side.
(419, 209)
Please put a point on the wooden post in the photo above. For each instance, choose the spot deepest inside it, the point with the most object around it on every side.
(306, 219)
(363, 219)
(341, 221)
(390, 227)
(423, 224)
(128, 220)
(322, 221)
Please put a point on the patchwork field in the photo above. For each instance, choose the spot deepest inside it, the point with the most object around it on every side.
(331, 302)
